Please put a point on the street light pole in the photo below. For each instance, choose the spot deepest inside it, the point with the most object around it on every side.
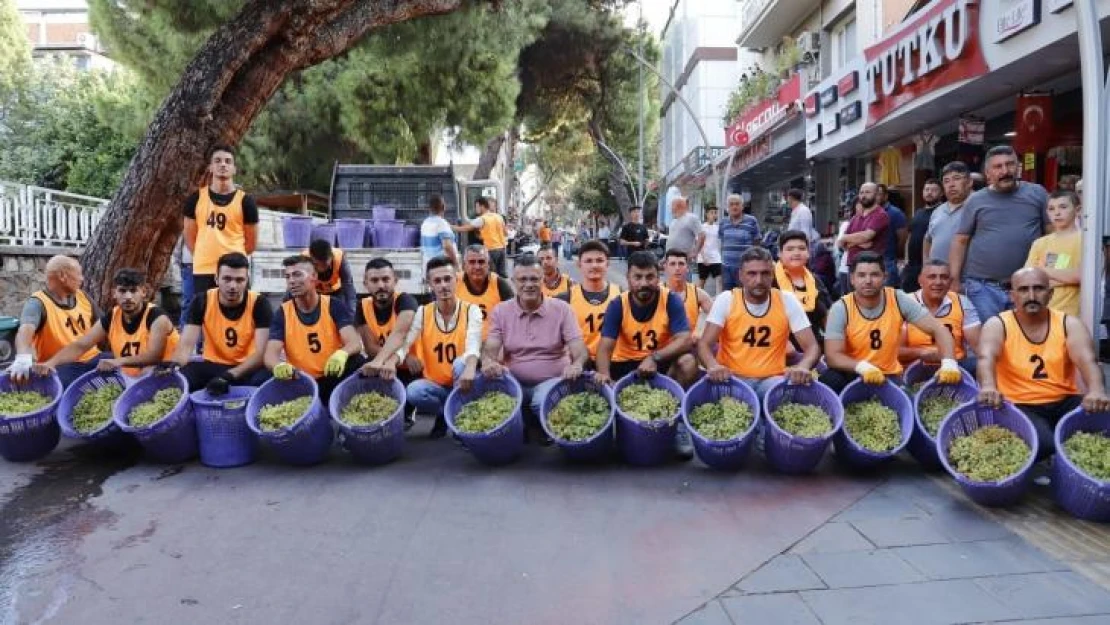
(639, 199)
(1096, 192)
(640, 97)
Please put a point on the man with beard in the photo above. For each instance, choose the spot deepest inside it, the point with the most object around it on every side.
(333, 272)
(382, 314)
(864, 327)
(53, 318)
(234, 323)
(535, 337)
(956, 179)
(313, 332)
(931, 193)
(590, 299)
(646, 331)
(555, 282)
(998, 226)
(1029, 355)
(952, 310)
(478, 286)
(792, 275)
(868, 227)
(139, 334)
(445, 337)
(752, 327)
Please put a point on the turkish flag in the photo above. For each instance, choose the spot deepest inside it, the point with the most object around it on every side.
(1033, 123)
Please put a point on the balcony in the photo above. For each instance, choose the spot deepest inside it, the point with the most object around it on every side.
(764, 22)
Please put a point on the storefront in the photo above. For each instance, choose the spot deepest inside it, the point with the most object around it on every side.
(954, 79)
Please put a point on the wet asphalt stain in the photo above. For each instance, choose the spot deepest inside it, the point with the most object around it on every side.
(41, 527)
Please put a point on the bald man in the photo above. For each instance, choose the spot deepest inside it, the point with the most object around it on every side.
(53, 318)
(868, 228)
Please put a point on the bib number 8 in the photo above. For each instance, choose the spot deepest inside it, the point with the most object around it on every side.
(876, 339)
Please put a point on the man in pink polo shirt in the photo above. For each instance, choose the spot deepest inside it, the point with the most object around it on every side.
(537, 338)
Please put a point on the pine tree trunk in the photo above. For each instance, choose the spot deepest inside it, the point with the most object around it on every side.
(219, 94)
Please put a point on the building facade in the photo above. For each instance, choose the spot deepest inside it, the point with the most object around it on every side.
(61, 27)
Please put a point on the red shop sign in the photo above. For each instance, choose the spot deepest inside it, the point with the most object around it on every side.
(766, 114)
(938, 47)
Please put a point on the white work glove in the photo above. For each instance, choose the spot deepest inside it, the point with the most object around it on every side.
(20, 369)
(869, 373)
(949, 372)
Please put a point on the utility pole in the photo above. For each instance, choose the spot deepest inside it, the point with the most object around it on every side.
(1096, 190)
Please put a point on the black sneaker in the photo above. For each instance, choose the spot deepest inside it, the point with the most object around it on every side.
(410, 418)
(439, 430)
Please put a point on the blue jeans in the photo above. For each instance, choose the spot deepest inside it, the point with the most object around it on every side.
(730, 278)
(429, 397)
(534, 395)
(987, 296)
(69, 372)
(186, 291)
(762, 385)
(892, 277)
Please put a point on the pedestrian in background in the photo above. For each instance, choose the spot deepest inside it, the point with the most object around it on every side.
(738, 232)
(956, 179)
(931, 194)
(709, 263)
(868, 228)
(801, 216)
(685, 231)
(897, 233)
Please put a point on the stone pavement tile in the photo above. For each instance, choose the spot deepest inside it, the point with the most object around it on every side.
(784, 573)
(777, 609)
(901, 532)
(861, 568)
(712, 613)
(832, 537)
(965, 525)
(928, 603)
(977, 559)
(921, 490)
(1048, 594)
(878, 504)
(1094, 619)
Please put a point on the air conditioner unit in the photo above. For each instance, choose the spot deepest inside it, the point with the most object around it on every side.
(86, 40)
(809, 42)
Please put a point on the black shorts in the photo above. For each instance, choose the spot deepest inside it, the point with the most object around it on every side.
(618, 370)
(706, 272)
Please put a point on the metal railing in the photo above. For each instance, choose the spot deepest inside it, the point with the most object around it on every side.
(37, 217)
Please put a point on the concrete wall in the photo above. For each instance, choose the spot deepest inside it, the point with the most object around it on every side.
(22, 272)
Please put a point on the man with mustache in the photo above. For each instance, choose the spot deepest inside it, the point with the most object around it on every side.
(952, 310)
(479, 286)
(1029, 355)
(383, 314)
(956, 180)
(867, 228)
(998, 226)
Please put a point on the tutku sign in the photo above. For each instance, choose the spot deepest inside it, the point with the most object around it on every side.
(940, 46)
(766, 114)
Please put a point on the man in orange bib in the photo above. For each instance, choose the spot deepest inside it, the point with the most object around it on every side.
(591, 298)
(383, 314)
(752, 327)
(479, 286)
(864, 327)
(333, 272)
(491, 228)
(792, 275)
(235, 324)
(1029, 356)
(555, 282)
(53, 318)
(139, 334)
(953, 310)
(312, 333)
(445, 337)
(695, 301)
(219, 218)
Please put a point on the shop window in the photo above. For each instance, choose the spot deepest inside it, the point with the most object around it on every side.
(842, 40)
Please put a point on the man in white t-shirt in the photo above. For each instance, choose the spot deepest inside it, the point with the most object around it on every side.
(709, 261)
(436, 236)
(801, 217)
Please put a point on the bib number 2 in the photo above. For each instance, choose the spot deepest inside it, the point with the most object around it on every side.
(1038, 367)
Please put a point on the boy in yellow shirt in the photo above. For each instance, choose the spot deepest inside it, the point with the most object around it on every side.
(1058, 253)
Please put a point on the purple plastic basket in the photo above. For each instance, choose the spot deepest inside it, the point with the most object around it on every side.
(368, 235)
(595, 448)
(308, 440)
(922, 445)
(171, 439)
(109, 435)
(1080, 494)
(728, 454)
(972, 416)
(649, 443)
(296, 231)
(793, 358)
(370, 444)
(412, 236)
(389, 234)
(383, 212)
(504, 443)
(349, 233)
(785, 452)
(222, 433)
(889, 395)
(33, 435)
(324, 232)
(920, 372)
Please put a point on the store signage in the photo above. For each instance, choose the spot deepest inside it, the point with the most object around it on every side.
(811, 104)
(1020, 16)
(848, 84)
(767, 114)
(1055, 6)
(757, 151)
(828, 96)
(940, 46)
(813, 133)
(851, 113)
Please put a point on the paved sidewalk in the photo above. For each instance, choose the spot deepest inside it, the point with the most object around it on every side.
(913, 551)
